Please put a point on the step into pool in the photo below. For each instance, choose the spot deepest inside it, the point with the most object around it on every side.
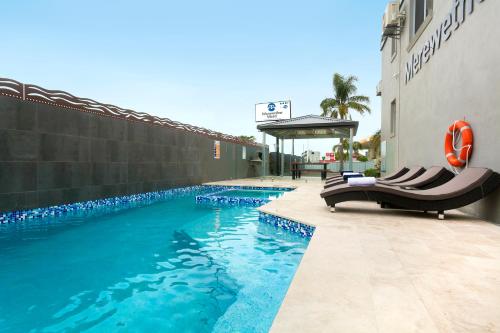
(163, 265)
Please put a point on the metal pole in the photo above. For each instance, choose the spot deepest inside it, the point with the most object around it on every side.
(351, 137)
(282, 157)
(277, 156)
(264, 157)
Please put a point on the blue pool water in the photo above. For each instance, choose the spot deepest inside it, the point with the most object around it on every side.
(169, 266)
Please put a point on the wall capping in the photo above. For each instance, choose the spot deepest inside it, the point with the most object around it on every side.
(59, 98)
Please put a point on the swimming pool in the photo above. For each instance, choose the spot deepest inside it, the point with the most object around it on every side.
(170, 265)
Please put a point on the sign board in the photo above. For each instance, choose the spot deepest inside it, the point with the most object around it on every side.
(273, 111)
(453, 20)
(217, 150)
(330, 157)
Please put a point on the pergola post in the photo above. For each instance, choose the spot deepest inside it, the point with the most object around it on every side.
(264, 157)
(351, 136)
(282, 157)
(277, 162)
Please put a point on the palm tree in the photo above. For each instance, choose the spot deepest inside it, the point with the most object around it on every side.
(343, 148)
(375, 141)
(345, 99)
(247, 138)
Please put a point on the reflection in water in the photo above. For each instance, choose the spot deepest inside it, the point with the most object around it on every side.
(169, 267)
(185, 273)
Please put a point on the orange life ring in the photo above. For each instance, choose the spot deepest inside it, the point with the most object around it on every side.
(466, 150)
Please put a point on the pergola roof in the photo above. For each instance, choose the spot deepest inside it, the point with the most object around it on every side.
(309, 127)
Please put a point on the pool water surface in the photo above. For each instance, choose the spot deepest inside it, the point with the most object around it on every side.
(169, 266)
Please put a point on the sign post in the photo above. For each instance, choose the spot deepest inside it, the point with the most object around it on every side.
(273, 111)
(264, 155)
(282, 172)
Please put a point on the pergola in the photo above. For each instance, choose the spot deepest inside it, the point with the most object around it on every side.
(307, 127)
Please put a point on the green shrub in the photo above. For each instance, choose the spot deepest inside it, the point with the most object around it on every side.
(362, 158)
(372, 173)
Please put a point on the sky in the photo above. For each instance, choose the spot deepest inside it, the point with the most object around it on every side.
(205, 63)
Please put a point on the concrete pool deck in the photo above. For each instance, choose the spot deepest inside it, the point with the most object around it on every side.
(373, 270)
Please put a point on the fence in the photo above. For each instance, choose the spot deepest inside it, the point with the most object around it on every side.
(335, 167)
(356, 166)
(33, 93)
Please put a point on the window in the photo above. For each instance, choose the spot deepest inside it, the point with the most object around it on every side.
(243, 152)
(421, 9)
(394, 49)
(393, 118)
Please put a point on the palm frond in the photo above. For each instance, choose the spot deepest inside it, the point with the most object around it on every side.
(339, 88)
(350, 85)
(360, 99)
(338, 81)
(361, 108)
(328, 106)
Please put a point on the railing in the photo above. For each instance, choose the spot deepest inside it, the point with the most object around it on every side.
(356, 166)
(33, 93)
(335, 166)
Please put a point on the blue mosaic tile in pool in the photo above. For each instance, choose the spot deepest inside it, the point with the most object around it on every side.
(125, 201)
(218, 199)
(280, 222)
(230, 201)
(244, 187)
(215, 199)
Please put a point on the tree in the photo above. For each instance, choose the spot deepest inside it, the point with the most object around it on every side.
(344, 144)
(245, 138)
(362, 158)
(344, 100)
(375, 141)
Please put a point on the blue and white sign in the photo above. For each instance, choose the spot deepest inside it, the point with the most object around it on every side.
(273, 111)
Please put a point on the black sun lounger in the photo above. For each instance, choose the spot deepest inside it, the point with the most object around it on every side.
(434, 176)
(337, 175)
(409, 175)
(395, 174)
(335, 180)
(342, 177)
(469, 186)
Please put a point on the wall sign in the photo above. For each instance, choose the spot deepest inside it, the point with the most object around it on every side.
(330, 156)
(454, 20)
(273, 111)
(217, 150)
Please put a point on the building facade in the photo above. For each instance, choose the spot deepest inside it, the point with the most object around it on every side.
(441, 63)
(310, 156)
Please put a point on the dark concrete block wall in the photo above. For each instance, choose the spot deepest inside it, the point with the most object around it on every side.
(51, 155)
(289, 159)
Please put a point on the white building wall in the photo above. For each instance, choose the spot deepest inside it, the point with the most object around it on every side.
(390, 92)
(460, 80)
